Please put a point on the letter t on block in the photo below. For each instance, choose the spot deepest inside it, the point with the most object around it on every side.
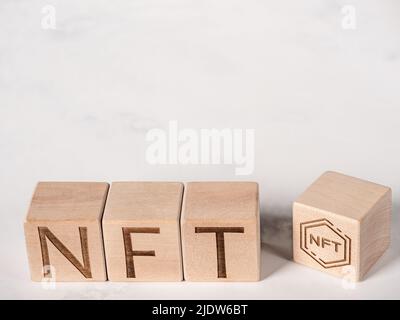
(221, 231)
(63, 231)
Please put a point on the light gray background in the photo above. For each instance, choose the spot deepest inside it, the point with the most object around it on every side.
(76, 102)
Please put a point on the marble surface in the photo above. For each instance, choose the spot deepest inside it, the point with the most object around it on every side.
(76, 103)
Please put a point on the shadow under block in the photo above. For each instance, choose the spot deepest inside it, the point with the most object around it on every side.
(63, 231)
(341, 225)
(141, 231)
(221, 231)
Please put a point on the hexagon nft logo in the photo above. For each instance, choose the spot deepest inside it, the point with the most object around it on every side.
(325, 243)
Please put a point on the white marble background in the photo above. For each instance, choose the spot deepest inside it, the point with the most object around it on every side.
(76, 102)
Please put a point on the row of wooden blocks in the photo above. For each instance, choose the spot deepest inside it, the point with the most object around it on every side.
(203, 231)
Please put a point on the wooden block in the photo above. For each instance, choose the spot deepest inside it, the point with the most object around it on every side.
(63, 231)
(141, 231)
(341, 225)
(221, 231)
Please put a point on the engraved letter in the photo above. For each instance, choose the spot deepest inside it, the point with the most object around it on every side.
(337, 244)
(325, 242)
(219, 235)
(44, 233)
(130, 253)
(313, 239)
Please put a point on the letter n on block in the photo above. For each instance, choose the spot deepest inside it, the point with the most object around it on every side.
(221, 231)
(141, 231)
(63, 231)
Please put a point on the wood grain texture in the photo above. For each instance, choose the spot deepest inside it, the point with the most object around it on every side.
(221, 231)
(68, 201)
(341, 225)
(142, 233)
(63, 231)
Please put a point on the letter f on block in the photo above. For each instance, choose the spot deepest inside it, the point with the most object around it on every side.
(130, 253)
(220, 241)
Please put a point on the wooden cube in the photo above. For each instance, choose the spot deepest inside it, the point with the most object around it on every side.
(341, 225)
(221, 231)
(63, 231)
(141, 231)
